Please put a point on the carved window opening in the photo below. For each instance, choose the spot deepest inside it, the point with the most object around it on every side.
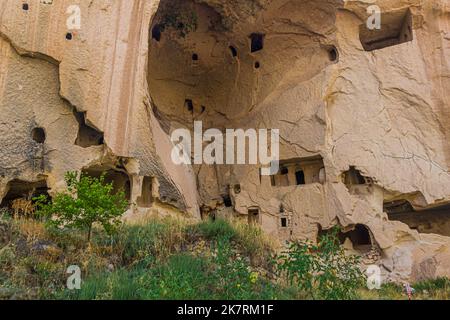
(87, 135)
(146, 199)
(300, 171)
(300, 177)
(227, 201)
(38, 135)
(257, 42)
(189, 104)
(233, 51)
(396, 28)
(333, 54)
(156, 32)
(253, 216)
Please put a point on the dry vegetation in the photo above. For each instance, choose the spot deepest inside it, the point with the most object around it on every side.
(159, 259)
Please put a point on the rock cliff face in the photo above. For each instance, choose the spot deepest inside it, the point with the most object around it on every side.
(364, 115)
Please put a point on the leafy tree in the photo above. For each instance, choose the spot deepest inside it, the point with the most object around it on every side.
(324, 270)
(88, 200)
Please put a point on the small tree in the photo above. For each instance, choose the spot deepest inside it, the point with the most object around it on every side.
(88, 201)
(324, 270)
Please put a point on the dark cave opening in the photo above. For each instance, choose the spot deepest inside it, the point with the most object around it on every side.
(233, 51)
(87, 135)
(38, 135)
(359, 236)
(19, 189)
(156, 32)
(257, 42)
(253, 216)
(119, 178)
(431, 221)
(146, 198)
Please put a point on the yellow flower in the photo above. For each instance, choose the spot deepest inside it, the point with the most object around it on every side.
(254, 277)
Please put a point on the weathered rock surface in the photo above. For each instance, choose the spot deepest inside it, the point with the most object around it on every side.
(364, 134)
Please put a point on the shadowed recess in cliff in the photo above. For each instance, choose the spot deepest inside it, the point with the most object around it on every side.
(117, 176)
(357, 238)
(87, 135)
(435, 220)
(23, 190)
(190, 60)
(396, 28)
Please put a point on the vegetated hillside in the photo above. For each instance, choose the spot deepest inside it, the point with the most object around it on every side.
(174, 259)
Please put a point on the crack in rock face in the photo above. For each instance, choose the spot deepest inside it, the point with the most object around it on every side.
(362, 114)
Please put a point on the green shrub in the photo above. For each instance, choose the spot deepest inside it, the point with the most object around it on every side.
(89, 200)
(324, 271)
(92, 288)
(216, 229)
(157, 238)
(433, 285)
(183, 277)
(7, 256)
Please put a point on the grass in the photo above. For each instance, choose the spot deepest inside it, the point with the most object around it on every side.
(434, 289)
(163, 258)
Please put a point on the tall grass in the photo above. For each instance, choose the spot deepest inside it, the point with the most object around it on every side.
(162, 258)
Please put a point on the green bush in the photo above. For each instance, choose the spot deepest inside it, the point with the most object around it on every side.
(7, 256)
(433, 285)
(89, 200)
(324, 271)
(158, 238)
(216, 229)
(233, 277)
(184, 276)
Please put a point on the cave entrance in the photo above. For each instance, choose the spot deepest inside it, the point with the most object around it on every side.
(19, 189)
(119, 179)
(434, 220)
(253, 216)
(358, 238)
(87, 135)
(146, 198)
(353, 177)
(227, 66)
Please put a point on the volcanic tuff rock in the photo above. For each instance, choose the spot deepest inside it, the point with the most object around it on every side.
(364, 116)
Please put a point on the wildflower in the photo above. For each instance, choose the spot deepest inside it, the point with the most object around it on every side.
(254, 277)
